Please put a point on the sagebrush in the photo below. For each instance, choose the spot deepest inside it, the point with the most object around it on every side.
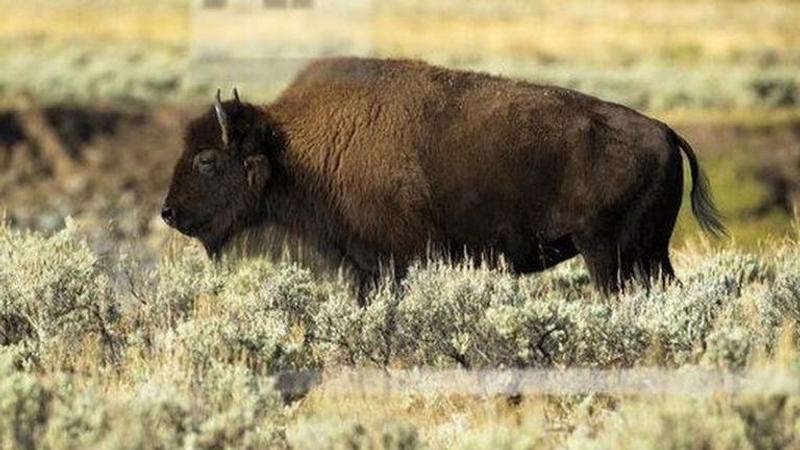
(102, 351)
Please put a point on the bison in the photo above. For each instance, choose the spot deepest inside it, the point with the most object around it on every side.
(379, 161)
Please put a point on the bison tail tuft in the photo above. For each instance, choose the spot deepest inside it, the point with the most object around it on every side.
(703, 207)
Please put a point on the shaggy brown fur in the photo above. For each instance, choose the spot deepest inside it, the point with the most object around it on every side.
(380, 160)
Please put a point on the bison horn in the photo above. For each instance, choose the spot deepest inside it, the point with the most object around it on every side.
(222, 118)
(236, 95)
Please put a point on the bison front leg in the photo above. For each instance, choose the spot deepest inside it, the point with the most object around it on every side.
(607, 259)
(605, 272)
(367, 280)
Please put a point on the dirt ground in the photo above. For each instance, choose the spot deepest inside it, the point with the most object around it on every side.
(107, 168)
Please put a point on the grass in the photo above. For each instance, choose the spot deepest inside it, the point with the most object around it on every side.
(738, 193)
(658, 56)
(151, 21)
(100, 351)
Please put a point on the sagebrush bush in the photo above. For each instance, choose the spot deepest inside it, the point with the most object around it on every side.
(501, 436)
(177, 283)
(24, 407)
(193, 354)
(786, 294)
(337, 435)
(227, 408)
(54, 294)
(675, 424)
(770, 422)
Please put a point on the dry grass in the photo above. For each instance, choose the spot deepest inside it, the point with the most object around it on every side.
(164, 22)
(659, 56)
(611, 32)
(604, 33)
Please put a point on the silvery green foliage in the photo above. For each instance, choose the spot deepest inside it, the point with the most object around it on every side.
(477, 317)
(503, 436)
(474, 317)
(276, 317)
(786, 289)
(174, 287)
(84, 73)
(674, 424)
(787, 294)
(747, 422)
(80, 418)
(445, 317)
(87, 71)
(343, 333)
(230, 408)
(316, 434)
(24, 404)
(569, 279)
(196, 346)
(729, 347)
(199, 344)
(262, 315)
(679, 319)
(54, 293)
(733, 268)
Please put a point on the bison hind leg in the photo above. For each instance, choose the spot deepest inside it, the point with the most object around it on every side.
(614, 265)
(660, 267)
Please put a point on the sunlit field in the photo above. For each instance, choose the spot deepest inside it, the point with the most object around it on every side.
(116, 332)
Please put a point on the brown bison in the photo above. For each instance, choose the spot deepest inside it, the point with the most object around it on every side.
(379, 161)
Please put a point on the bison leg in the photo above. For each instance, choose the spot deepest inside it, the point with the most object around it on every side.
(367, 280)
(653, 230)
(615, 260)
(663, 270)
(544, 255)
(603, 263)
(613, 266)
(365, 283)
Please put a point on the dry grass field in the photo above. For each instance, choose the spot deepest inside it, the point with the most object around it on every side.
(115, 333)
(660, 55)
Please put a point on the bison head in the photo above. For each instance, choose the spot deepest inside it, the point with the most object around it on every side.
(219, 180)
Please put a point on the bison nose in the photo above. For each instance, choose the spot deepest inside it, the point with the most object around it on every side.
(168, 214)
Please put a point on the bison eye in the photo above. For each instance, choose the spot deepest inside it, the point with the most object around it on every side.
(206, 162)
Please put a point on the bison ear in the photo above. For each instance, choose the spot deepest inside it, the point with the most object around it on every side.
(258, 171)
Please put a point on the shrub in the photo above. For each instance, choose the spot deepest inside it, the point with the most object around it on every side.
(201, 349)
(259, 318)
(54, 294)
(335, 434)
(729, 347)
(24, 407)
(230, 408)
(176, 284)
(670, 424)
(786, 294)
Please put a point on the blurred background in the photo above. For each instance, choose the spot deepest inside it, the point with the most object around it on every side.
(94, 94)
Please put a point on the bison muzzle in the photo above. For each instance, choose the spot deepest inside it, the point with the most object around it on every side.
(379, 161)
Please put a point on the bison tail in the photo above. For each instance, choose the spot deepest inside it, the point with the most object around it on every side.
(706, 213)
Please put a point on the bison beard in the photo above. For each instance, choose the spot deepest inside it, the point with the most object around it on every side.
(378, 161)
